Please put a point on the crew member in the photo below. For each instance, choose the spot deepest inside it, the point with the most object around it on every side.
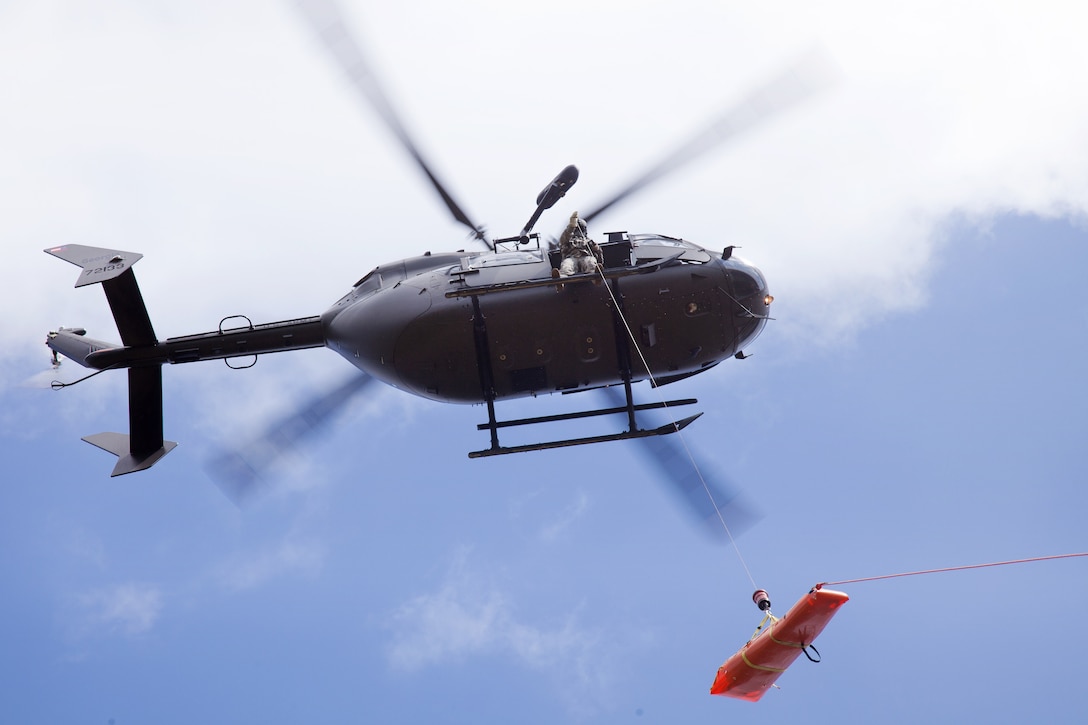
(580, 253)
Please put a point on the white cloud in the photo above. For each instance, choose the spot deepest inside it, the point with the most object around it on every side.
(947, 111)
(129, 609)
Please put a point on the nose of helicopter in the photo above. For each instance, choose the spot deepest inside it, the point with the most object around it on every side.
(753, 300)
(749, 285)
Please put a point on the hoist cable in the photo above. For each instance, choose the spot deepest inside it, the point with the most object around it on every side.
(678, 432)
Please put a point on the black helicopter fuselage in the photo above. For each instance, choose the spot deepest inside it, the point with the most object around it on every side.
(473, 327)
(462, 328)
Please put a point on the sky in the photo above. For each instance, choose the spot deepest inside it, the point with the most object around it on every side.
(918, 401)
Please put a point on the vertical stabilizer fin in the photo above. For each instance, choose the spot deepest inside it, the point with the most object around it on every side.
(145, 409)
(113, 269)
(144, 445)
(129, 310)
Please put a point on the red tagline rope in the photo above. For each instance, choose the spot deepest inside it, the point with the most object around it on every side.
(951, 568)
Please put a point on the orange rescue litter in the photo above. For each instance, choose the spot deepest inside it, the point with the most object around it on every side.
(753, 670)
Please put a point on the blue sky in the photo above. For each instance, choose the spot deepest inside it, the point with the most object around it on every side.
(919, 402)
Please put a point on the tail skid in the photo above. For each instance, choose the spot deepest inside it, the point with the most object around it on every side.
(120, 445)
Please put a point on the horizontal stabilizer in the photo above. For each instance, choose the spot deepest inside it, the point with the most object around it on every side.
(73, 343)
(127, 462)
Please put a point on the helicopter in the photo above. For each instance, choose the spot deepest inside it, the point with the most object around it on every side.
(475, 327)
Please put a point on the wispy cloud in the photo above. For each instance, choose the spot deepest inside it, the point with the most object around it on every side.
(574, 511)
(536, 509)
(469, 616)
(129, 609)
(290, 557)
(87, 547)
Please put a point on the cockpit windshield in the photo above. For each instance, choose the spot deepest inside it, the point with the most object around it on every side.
(369, 283)
(385, 275)
(648, 247)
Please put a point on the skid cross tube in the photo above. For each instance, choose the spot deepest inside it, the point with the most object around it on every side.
(627, 435)
(583, 414)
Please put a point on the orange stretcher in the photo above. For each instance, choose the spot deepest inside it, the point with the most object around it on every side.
(753, 670)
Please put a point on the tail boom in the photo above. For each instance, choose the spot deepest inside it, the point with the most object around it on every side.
(144, 355)
(73, 343)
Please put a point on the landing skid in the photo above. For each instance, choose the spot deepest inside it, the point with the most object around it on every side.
(623, 355)
(633, 431)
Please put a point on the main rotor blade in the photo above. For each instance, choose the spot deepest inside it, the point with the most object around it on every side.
(713, 502)
(327, 22)
(243, 471)
(717, 506)
(801, 80)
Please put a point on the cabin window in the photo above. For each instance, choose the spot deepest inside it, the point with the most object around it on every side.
(500, 259)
